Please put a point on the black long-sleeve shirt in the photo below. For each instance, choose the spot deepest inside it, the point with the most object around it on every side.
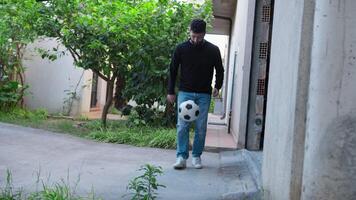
(197, 65)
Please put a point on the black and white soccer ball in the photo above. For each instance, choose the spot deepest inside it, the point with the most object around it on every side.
(188, 111)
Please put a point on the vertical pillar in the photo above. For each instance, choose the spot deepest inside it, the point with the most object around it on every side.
(330, 145)
(283, 152)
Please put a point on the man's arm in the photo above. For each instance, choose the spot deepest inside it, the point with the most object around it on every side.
(173, 70)
(219, 74)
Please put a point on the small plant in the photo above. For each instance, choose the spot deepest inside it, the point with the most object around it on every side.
(40, 113)
(72, 96)
(8, 192)
(11, 93)
(135, 120)
(142, 116)
(144, 187)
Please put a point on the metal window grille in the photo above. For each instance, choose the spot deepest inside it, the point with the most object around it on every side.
(261, 87)
(266, 13)
(263, 50)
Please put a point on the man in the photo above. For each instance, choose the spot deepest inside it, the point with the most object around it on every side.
(196, 59)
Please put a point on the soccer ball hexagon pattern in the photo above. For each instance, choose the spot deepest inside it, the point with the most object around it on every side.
(188, 111)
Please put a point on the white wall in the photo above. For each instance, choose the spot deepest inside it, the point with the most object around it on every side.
(48, 80)
(329, 170)
(283, 152)
(241, 42)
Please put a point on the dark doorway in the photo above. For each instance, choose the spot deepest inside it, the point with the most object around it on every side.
(259, 74)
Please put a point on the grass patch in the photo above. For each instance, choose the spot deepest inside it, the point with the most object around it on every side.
(117, 131)
(40, 119)
(61, 190)
(113, 110)
(24, 117)
(141, 187)
(161, 138)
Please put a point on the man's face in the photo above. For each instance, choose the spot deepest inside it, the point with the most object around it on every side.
(196, 38)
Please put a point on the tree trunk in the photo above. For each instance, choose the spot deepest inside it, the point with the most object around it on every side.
(119, 101)
(18, 74)
(110, 90)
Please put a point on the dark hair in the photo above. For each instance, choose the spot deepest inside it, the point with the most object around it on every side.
(198, 26)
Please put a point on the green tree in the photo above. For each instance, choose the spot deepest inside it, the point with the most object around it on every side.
(165, 26)
(99, 35)
(128, 41)
(17, 29)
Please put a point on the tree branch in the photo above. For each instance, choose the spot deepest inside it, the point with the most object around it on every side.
(100, 75)
(73, 55)
(116, 72)
(72, 51)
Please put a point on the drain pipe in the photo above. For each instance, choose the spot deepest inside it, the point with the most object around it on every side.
(232, 93)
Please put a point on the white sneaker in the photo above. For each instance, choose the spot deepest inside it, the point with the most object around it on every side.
(196, 162)
(181, 163)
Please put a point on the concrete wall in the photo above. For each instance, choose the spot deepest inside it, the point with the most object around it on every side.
(49, 80)
(86, 93)
(241, 43)
(101, 93)
(330, 149)
(286, 100)
(310, 134)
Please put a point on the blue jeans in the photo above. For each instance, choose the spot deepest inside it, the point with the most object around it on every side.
(203, 101)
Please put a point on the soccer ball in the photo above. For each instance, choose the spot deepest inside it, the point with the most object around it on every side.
(188, 111)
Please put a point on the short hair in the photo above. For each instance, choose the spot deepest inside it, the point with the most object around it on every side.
(198, 26)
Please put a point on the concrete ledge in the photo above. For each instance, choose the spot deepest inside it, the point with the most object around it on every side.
(254, 163)
(218, 149)
(254, 195)
(243, 169)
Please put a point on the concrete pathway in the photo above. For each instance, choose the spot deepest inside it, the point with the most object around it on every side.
(105, 167)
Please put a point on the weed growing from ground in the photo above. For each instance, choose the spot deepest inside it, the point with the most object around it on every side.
(144, 187)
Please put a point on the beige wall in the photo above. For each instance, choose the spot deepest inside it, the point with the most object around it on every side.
(238, 79)
(49, 80)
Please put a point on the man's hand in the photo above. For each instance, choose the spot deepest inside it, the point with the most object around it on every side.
(171, 98)
(215, 92)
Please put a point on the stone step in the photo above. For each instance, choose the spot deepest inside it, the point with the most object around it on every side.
(254, 163)
(240, 175)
